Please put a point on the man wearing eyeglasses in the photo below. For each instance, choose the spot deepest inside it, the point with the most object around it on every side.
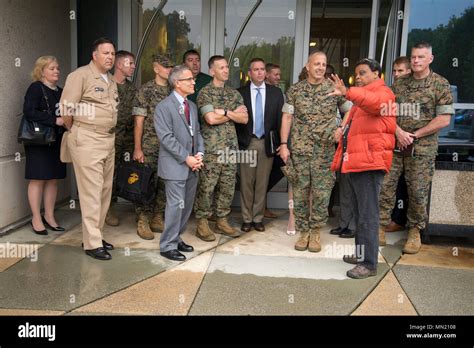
(150, 216)
(180, 158)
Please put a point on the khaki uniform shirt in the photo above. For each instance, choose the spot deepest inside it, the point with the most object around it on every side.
(89, 98)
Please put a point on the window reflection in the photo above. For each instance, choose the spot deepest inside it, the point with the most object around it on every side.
(447, 25)
(270, 35)
(177, 29)
(341, 29)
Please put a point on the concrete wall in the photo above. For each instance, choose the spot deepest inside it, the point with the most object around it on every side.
(28, 29)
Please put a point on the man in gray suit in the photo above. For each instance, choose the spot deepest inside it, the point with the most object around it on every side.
(179, 160)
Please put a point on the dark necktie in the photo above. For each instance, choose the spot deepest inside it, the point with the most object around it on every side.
(186, 111)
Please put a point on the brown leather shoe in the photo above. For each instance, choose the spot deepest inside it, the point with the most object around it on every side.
(394, 227)
(258, 226)
(269, 214)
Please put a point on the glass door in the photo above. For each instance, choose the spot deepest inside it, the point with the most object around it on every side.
(341, 28)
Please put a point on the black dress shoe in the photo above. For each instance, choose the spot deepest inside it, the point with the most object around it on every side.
(99, 254)
(246, 227)
(57, 228)
(347, 233)
(174, 255)
(182, 246)
(259, 226)
(107, 246)
(41, 233)
(336, 231)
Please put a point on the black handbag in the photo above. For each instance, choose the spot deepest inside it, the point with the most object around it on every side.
(34, 133)
(135, 182)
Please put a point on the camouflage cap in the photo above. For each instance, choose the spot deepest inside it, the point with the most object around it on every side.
(162, 60)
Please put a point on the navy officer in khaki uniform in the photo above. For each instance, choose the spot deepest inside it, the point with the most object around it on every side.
(89, 109)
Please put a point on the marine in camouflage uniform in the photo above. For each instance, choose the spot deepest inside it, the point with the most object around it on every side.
(433, 97)
(312, 150)
(124, 128)
(147, 97)
(218, 176)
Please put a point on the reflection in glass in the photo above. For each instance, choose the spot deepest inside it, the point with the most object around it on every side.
(341, 29)
(270, 35)
(177, 29)
(448, 26)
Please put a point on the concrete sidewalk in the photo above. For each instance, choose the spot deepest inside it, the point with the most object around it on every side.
(258, 273)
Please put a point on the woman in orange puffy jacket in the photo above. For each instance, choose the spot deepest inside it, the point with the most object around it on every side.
(365, 153)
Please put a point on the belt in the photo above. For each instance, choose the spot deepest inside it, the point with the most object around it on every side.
(102, 129)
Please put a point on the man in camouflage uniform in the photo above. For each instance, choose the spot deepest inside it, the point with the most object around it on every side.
(311, 114)
(124, 68)
(425, 105)
(220, 107)
(150, 217)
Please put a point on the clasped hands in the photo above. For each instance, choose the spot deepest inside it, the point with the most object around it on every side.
(195, 162)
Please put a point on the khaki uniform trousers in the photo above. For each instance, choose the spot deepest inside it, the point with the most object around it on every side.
(254, 182)
(93, 157)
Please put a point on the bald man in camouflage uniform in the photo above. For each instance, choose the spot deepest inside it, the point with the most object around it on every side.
(150, 217)
(124, 68)
(220, 106)
(311, 114)
(425, 105)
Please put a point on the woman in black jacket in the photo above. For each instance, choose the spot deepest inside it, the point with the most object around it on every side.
(43, 166)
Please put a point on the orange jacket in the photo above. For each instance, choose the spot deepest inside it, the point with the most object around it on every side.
(371, 139)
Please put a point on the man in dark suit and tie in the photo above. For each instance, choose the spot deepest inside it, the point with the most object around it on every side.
(180, 158)
(264, 104)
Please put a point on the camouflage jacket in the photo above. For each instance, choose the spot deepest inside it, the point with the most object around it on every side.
(314, 115)
(147, 97)
(124, 128)
(222, 136)
(420, 101)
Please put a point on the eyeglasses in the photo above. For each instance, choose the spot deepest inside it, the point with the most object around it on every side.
(188, 79)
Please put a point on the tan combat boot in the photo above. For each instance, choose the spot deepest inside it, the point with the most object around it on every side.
(203, 231)
(157, 224)
(111, 218)
(224, 228)
(382, 240)
(302, 243)
(413, 243)
(143, 228)
(314, 241)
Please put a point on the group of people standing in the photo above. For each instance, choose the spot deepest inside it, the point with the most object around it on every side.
(183, 123)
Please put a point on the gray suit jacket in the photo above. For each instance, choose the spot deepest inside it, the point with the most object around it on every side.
(175, 138)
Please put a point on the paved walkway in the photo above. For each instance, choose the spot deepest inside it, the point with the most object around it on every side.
(258, 273)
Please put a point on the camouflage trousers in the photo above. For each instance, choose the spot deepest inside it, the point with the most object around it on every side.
(418, 176)
(159, 204)
(218, 180)
(315, 176)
